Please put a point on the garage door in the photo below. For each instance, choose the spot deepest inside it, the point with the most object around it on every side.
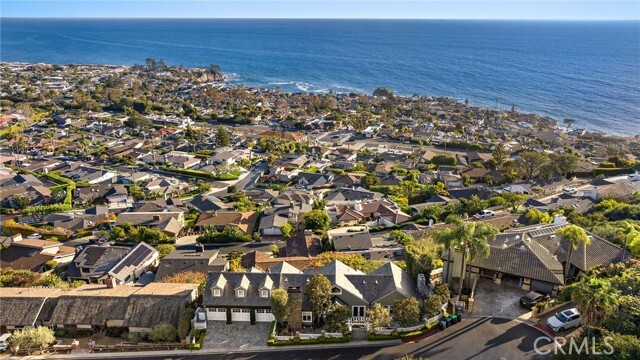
(264, 315)
(217, 314)
(541, 287)
(240, 315)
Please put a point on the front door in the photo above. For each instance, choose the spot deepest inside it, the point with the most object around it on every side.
(358, 311)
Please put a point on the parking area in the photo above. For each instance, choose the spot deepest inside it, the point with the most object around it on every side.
(568, 332)
(236, 336)
(497, 300)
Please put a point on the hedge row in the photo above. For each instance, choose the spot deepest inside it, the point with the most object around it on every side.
(420, 332)
(11, 227)
(202, 174)
(612, 171)
(380, 337)
(298, 341)
(46, 209)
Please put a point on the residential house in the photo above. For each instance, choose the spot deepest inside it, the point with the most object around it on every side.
(353, 241)
(240, 297)
(115, 265)
(244, 221)
(169, 222)
(196, 259)
(33, 254)
(314, 180)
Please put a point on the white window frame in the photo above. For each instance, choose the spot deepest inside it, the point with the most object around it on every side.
(240, 293)
(217, 292)
(307, 314)
(264, 293)
(339, 292)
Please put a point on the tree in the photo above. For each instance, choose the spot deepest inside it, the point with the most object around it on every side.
(432, 305)
(536, 216)
(576, 236)
(50, 265)
(280, 305)
(222, 137)
(35, 338)
(500, 154)
(471, 239)
(20, 201)
(117, 234)
(530, 163)
(595, 299)
(370, 180)
(568, 122)
(163, 332)
(337, 316)
(203, 187)
(407, 311)
(316, 220)
(232, 189)
(515, 200)
(184, 325)
(443, 160)
(286, 230)
(165, 249)
(472, 205)
(379, 316)
(422, 256)
(275, 250)
(318, 293)
(564, 163)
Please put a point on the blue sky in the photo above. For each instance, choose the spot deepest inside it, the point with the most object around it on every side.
(384, 9)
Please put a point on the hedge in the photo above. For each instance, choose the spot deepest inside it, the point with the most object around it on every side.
(298, 341)
(69, 184)
(46, 209)
(11, 227)
(203, 174)
(380, 337)
(612, 171)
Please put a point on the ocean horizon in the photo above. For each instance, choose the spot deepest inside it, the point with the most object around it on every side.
(585, 70)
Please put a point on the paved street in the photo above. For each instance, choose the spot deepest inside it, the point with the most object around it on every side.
(481, 338)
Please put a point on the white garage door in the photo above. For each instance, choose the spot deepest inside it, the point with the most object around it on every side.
(217, 314)
(264, 315)
(240, 315)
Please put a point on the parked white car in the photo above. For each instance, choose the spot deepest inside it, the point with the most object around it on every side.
(34, 236)
(485, 213)
(570, 190)
(564, 320)
(634, 177)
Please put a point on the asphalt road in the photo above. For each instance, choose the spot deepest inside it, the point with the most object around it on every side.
(481, 338)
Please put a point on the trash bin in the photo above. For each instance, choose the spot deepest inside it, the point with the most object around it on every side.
(448, 321)
(459, 317)
(454, 318)
(442, 325)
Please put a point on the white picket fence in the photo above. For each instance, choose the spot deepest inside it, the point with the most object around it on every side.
(383, 331)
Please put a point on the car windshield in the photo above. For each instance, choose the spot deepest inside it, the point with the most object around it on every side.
(562, 317)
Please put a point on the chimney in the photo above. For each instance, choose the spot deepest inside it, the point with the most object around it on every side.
(559, 220)
(110, 282)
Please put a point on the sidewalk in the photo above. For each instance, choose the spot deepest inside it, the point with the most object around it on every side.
(177, 353)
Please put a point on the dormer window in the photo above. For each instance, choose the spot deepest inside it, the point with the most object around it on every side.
(264, 293)
(217, 293)
(336, 291)
(240, 293)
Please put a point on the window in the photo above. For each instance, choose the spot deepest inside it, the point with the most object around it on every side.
(264, 293)
(389, 307)
(358, 311)
(217, 293)
(240, 293)
(307, 316)
(263, 311)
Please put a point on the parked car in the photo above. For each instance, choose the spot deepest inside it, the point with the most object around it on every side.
(34, 236)
(634, 177)
(485, 213)
(570, 190)
(532, 299)
(4, 342)
(564, 320)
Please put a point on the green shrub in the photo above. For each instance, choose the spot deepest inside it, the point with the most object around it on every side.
(298, 341)
(381, 337)
(612, 171)
(50, 265)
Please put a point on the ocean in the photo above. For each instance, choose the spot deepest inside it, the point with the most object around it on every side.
(588, 71)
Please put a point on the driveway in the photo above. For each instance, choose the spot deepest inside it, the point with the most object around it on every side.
(568, 332)
(498, 301)
(236, 336)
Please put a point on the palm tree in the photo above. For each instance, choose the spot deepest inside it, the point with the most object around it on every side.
(448, 240)
(594, 299)
(575, 235)
(83, 146)
(471, 239)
